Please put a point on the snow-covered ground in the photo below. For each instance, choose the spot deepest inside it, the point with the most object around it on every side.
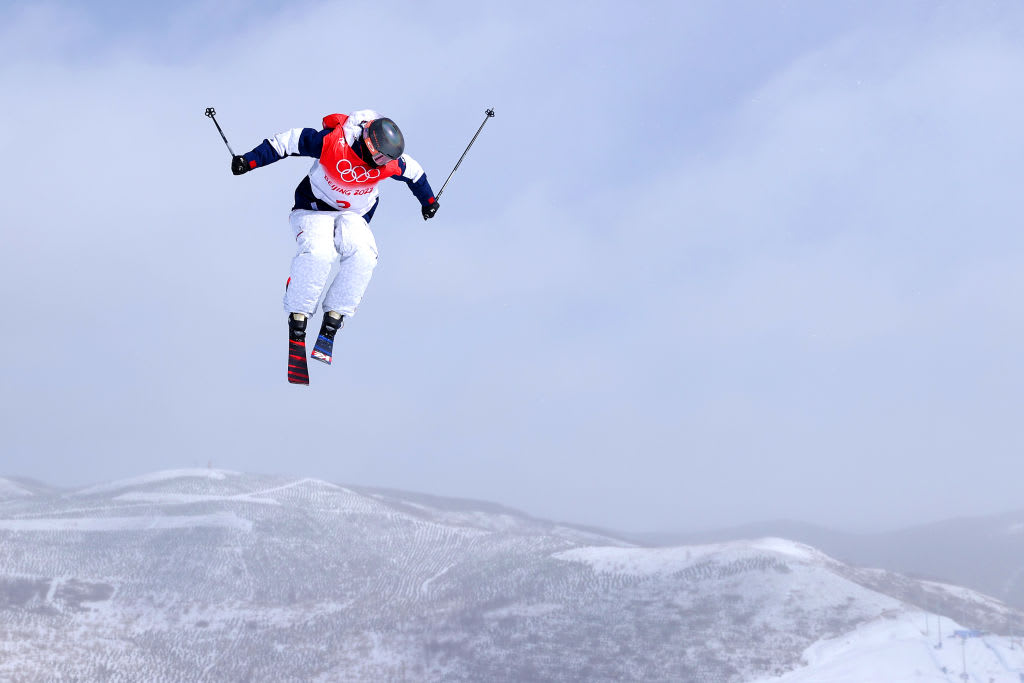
(215, 575)
(667, 561)
(136, 523)
(908, 647)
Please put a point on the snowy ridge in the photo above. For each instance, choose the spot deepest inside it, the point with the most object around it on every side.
(8, 489)
(212, 575)
(189, 498)
(666, 561)
(155, 477)
(983, 553)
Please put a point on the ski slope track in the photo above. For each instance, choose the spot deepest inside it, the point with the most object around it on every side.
(209, 575)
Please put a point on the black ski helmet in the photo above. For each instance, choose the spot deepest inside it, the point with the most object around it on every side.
(382, 138)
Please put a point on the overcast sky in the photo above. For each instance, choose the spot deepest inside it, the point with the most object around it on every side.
(711, 263)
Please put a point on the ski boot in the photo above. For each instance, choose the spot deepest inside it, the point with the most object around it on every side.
(298, 372)
(323, 350)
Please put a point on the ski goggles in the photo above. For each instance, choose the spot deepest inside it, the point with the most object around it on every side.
(379, 157)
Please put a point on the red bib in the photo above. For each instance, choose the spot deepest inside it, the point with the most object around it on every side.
(343, 166)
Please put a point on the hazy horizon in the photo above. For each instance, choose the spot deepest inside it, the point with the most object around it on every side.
(667, 532)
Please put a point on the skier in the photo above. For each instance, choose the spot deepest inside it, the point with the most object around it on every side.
(330, 219)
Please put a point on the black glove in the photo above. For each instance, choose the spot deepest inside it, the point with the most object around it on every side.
(239, 165)
(429, 210)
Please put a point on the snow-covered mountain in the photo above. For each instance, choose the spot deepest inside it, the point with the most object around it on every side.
(983, 553)
(197, 575)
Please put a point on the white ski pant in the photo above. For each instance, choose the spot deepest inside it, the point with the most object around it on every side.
(323, 239)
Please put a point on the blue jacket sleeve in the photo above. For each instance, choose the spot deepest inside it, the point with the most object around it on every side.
(414, 176)
(305, 142)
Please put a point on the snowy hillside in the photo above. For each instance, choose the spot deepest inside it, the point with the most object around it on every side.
(211, 575)
(11, 489)
(984, 553)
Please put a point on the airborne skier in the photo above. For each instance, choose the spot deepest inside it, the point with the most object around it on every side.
(330, 219)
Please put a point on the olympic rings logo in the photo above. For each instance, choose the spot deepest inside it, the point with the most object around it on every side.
(354, 174)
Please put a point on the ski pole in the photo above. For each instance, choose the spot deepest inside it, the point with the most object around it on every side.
(490, 114)
(212, 113)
